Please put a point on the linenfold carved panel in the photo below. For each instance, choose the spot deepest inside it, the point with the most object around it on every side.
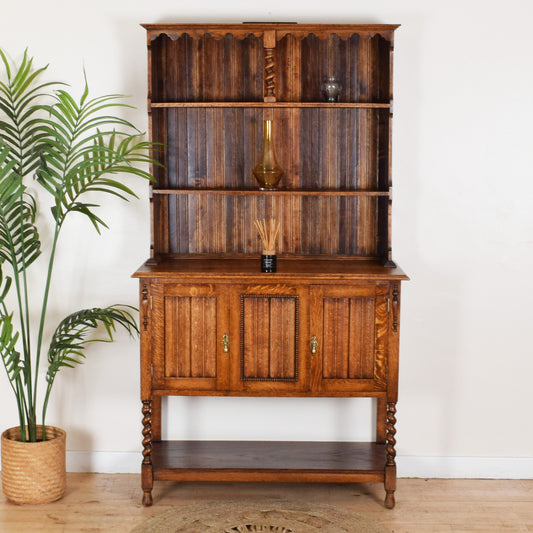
(190, 336)
(269, 338)
(349, 338)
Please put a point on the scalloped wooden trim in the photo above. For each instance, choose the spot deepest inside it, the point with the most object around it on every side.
(219, 31)
(342, 35)
(198, 34)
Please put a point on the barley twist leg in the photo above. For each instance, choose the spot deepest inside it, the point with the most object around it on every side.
(390, 465)
(146, 466)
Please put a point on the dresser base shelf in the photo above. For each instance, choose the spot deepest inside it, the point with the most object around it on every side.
(268, 461)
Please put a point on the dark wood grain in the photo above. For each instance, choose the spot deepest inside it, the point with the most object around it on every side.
(228, 460)
(321, 158)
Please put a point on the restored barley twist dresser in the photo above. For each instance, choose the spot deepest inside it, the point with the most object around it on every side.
(326, 323)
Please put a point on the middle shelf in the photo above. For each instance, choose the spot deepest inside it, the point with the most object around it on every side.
(272, 105)
(275, 192)
(321, 149)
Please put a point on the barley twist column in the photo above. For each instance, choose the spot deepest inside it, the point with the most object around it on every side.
(146, 466)
(269, 76)
(390, 465)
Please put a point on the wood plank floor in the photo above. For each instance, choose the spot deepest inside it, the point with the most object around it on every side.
(111, 503)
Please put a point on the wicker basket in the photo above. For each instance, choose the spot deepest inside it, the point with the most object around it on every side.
(34, 472)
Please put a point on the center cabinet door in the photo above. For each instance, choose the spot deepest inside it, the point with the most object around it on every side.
(189, 334)
(349, 328)
(271, 325)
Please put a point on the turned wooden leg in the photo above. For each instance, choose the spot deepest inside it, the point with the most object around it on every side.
(390, 465)
(147, 478)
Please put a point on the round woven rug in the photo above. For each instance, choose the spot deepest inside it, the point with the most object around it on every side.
(275, 516)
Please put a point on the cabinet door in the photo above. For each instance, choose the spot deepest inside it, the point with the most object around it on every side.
(190, 328)
(349, 327)
(270, 329)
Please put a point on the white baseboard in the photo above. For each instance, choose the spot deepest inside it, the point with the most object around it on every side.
(465, 467)
(104, 462)
(408, 466)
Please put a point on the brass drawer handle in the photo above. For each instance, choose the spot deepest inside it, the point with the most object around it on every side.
(225, 343)
(314, 345)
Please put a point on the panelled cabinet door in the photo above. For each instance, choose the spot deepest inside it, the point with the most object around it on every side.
(190, 332)
(270, 326)
(349, 328)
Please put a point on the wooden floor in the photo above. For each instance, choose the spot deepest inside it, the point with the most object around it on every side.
(111, 503)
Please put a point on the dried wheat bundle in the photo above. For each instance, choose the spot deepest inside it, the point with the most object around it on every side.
(268, 232)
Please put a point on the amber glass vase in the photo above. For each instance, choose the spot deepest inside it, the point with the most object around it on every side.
(267, 172)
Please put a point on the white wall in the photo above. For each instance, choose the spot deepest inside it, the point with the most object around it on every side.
(462, 229)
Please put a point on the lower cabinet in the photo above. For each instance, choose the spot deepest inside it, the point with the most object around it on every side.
(270, 338)
(277, 339)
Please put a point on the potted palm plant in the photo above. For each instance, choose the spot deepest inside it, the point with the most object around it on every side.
(64, 148)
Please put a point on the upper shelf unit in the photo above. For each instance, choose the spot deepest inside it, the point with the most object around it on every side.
(275, 64)
(210, 90)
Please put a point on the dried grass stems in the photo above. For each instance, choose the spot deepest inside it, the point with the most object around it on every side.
(268, 232)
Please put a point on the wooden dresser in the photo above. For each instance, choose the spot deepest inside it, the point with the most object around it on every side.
(326, 323)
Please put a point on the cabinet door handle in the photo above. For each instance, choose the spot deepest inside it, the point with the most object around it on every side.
(314, 345)
(225, 343)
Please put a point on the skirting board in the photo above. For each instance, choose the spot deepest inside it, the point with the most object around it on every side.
(408, 466)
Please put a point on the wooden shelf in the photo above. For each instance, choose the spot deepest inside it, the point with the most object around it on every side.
(354, 105)
(277, 192)
(315, 268)
(268, 461)
(294, 27)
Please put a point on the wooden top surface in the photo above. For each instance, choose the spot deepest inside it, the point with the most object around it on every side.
(296, 269)
(272, 25)
(283, 27)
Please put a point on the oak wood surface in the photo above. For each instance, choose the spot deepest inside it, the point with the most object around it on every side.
(277, 192)
(310, 268)
(109, 503)
(231, 458)
(326, 323)
(271, 105)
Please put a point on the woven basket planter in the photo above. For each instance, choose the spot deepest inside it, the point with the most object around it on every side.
(34, 472)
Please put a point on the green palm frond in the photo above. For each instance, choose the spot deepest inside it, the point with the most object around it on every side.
(71, 336)
(83, 149)
(8, 348)
(19, 128)
(8, 335)
(19, 238)
(14, 363)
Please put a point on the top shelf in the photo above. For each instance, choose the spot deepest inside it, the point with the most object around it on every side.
(353, 105)
(254, 26)
(259, 29)
(263, 65)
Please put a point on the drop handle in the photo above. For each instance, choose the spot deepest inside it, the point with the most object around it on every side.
(314, 345)
(225, 343)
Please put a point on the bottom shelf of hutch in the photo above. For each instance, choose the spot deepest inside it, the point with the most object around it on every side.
(270, 461)
(335, 462)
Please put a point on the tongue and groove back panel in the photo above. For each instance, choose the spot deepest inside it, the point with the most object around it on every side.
(207, 106)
